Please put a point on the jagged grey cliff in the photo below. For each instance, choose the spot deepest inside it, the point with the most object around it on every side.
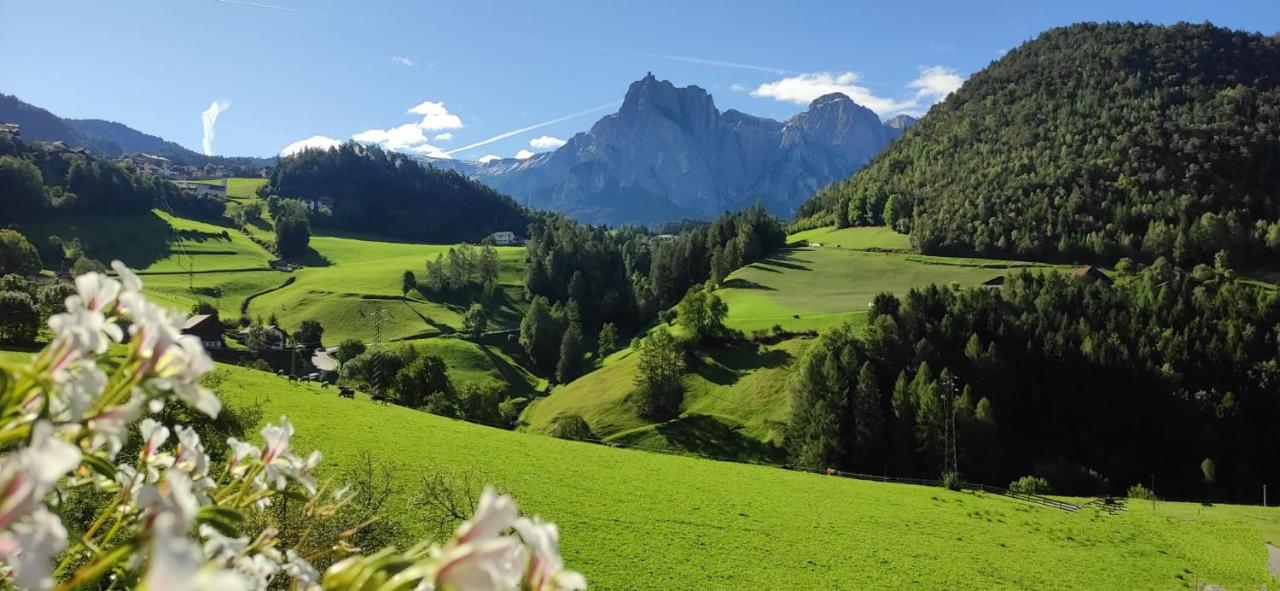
(668, 153)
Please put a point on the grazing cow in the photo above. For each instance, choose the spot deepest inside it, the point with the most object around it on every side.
(345, 392)
(324, 385)
(380, 399)
(831, 472)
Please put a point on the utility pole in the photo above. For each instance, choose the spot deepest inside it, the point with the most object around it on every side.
(1264, 495)
(950, 457)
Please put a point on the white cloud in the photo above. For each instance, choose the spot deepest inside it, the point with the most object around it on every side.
(737, 87)
(546, 142)
(404, 61)
(443, 137)
(487, 158)
(315, 142)
(396, 138)
(802, 89)
(435, 116)
(208, 118)
(524, 155)
(935, 83)
(932, 85)
(430, 151)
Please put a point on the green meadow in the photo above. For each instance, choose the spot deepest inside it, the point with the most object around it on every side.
(351, 282)
(631, 519)
(862, 238)
(816, 287)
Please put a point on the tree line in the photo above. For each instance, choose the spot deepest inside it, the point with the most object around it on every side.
(1091, 386)
(1092, 142)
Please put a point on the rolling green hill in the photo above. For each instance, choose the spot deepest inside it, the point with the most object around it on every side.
(356, 279)
(736, 399)
(635, 520)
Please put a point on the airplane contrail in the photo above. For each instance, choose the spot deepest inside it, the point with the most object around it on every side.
(279, 7)
(503, 136)
(703, 61)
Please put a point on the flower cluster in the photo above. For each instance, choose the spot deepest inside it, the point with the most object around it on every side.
(173, 520)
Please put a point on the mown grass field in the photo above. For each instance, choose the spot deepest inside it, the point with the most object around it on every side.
(637, 520)
(812, 288)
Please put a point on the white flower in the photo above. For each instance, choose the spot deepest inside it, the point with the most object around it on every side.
(490, 565)
(304, 575)
(128, 280)
(171, 505)
(239, 451)
(301, 470)
(78, 387)
(28, 474)
(177, 564)
(191, 457)
(154, 435)
(494, 514)
(219, 548)
(86, 331)
(277, 459)
(97, 292)
(259, 568)
(111, 426)
(546, 570)
(29, 547)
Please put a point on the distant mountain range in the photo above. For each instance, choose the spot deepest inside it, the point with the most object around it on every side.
(668, 153)
(106, 138)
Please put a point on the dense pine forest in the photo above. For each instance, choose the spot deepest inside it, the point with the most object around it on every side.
(1092, 142)
(1089, 384)
(392, 194)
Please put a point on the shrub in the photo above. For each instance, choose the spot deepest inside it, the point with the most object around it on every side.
(572, 427)
(951, 481)
(19, 319)
(1030, 485)
(1139, 492)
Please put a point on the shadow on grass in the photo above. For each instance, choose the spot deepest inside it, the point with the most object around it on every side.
(740, 283)
(725, 367)
(708, 436)
(311, 259)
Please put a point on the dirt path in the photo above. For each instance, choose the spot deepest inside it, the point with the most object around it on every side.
(1273, 560)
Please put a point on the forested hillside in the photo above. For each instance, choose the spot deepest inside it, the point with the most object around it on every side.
(1091, 385)
(38, 181)
(391, 194)
(1092, 142)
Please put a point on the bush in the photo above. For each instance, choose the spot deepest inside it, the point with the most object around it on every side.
(1139, 492)
(951, 481)
(1030, 485)
(572, 427)
(19, 318)
(17, 255)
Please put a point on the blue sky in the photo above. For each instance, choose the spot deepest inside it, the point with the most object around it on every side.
(285, 70)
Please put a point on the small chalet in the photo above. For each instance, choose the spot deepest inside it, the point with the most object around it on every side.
(1091, 273)
(218, 191)
(11, 129)
(996, 282)
(503, 238)
(205, 327)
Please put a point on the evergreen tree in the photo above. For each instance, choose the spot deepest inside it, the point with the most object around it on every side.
(572, 350)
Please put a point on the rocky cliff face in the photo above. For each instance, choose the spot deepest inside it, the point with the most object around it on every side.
(669, 153)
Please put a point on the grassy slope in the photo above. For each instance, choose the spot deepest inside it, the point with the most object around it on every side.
(357, 278)
(734, 404)
(878, 237)
(635, 520)
(736, 400)
(826, 286)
